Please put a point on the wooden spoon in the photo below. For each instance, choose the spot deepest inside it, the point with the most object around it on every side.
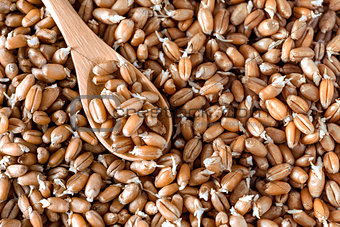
(87, 50)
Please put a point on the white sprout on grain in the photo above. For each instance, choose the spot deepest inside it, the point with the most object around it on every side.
(317, 169)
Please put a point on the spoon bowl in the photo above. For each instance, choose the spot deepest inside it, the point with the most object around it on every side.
(87, 50)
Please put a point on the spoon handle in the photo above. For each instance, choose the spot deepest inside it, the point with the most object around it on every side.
(74, 30)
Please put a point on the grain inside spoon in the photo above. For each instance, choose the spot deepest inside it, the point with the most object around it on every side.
(87, 50)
